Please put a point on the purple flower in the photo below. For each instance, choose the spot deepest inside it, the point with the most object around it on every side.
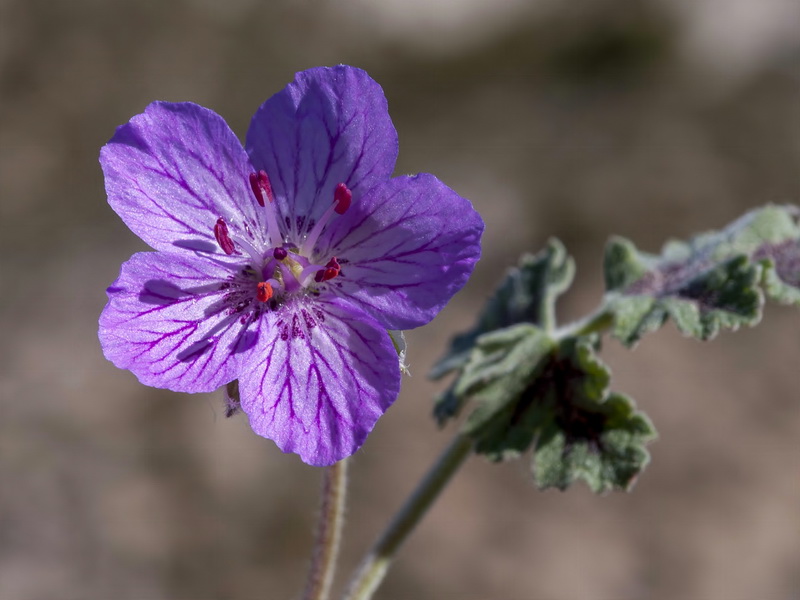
(282, 264)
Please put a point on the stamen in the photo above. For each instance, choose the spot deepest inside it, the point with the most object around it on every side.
(309, 273)
(279, 253)
(342, 198)
(262, 189)
(229, 242)
(258, 257)
(330, 271)
(223, 237)
(256, 189)
(264, 291)
(259, 182)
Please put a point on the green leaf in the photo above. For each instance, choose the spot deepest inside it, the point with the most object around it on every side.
(526, 295)
(447, 405)
(499, 367)
(588, 433)
(709, 283)
(603, 445)
(508, 355)
(552, 397)
(781, 277)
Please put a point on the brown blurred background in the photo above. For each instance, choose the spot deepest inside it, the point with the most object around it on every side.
(576, 119)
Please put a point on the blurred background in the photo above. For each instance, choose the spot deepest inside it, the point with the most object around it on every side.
(576, 119)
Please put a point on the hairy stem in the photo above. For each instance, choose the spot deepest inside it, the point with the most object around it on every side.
(329, 532)
(373, 568)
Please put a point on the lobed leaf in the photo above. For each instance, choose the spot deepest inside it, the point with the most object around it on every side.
(526, 295)
(781, 279)
(605, 446)
(534, 393)
(500, 369)
(712, 282)
(499, 365)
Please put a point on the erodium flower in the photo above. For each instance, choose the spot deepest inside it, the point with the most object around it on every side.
(281, 264)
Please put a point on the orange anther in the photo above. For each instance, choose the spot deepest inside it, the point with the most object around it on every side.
(264, 291)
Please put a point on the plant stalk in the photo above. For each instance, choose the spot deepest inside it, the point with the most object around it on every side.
(373, 568)
(329, 532)
(596, 322)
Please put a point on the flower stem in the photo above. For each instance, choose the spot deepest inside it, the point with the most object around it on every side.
(329, 532)
(373, 568)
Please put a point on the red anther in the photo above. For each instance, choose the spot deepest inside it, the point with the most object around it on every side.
(264, 291)
(256, 190)
(326, 274)
(342, 196)
(333, 264)
(330, 271)
(263, 181)
(279, 253)
(223, 238)
(259, 183)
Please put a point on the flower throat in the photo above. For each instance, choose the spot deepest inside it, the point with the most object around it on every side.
(284, 268)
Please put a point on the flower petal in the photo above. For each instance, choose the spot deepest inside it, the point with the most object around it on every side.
(326, 373)
(329, 126)
(404, 250)
(173, 170)
(166, 320)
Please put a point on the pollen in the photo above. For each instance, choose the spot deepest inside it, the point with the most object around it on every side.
(264, 291)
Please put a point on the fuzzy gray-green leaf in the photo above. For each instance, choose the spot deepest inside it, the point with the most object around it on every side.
(558, 405)
(781, 277)
(501, 366)
(526, 295)
(607, 450)
(709, 283)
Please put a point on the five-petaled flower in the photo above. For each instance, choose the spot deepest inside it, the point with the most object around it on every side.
(281, 264)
